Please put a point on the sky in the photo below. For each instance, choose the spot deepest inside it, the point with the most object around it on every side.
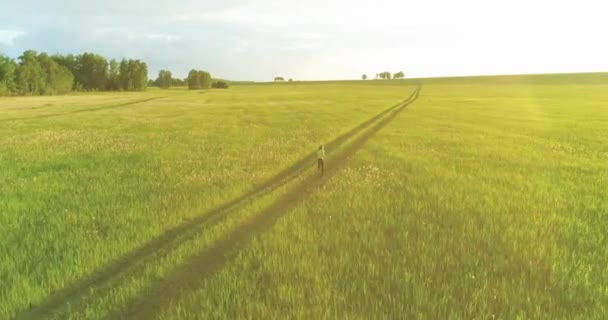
(319, 39)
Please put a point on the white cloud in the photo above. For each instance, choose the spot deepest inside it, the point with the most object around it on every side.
(8, 37)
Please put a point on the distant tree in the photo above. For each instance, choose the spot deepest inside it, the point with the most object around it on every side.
(399, 75)
(164, 79)
(290, 80)
(36, 74)
(40, 74)
(8, 72)
(70, 62)
(198, 79)
(384, 75)
(207, 81)
(58, 79)
(364, 77)
(64, 81)
(279, 79)
(139, 74)
(91, 71)
(124, 80)
(193, 81)
(220, 85)
(30, 76)
(176, 82)
(132, 75)
(113, 75)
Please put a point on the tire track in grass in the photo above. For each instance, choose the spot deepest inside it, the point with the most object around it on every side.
(189, 275)
(112, 106)
(172, 238)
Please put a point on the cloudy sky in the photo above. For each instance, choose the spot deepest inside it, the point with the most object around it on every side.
(319, 39)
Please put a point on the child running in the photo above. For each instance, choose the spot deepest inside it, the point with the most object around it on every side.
(321, 159)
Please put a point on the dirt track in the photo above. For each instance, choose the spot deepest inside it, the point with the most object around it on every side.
(112, 106)
(190, 274)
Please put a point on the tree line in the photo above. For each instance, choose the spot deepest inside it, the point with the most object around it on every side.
(35, 73)
(197, 79)
(386, 75)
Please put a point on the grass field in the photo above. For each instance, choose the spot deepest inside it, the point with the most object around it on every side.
(482, 198)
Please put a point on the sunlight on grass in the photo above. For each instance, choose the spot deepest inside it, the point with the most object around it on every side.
(483, 199)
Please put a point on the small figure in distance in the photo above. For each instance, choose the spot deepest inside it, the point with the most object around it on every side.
(321, 159)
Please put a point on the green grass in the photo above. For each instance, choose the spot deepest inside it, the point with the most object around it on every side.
(482, 199)
(80, 189)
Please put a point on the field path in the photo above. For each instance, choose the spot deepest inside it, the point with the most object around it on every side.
(112, 106)
(190, 274)
(170, 239)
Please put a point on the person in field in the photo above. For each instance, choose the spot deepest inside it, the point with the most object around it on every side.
(321, 159)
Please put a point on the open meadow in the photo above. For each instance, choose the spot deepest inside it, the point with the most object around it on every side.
(465, 198)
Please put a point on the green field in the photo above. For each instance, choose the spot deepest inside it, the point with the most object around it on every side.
(479, 198)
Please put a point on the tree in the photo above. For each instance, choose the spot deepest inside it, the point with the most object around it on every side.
(364, 77)
(132, 75)
(91, 71)
(220, 85)
(8, 72)
(41, 74)
(58, 79)
(113, 75)
(206, 81)
(139, 75)
(384, 75)
(30, 76)
(198, 79)
(193, 80)
(279, 79)
(164, 79)
(68, 61)
(176, 82)
(71, 64)
(399, 75)
(36, 74)
(63, 80)
(290, 80)
(123, 75)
